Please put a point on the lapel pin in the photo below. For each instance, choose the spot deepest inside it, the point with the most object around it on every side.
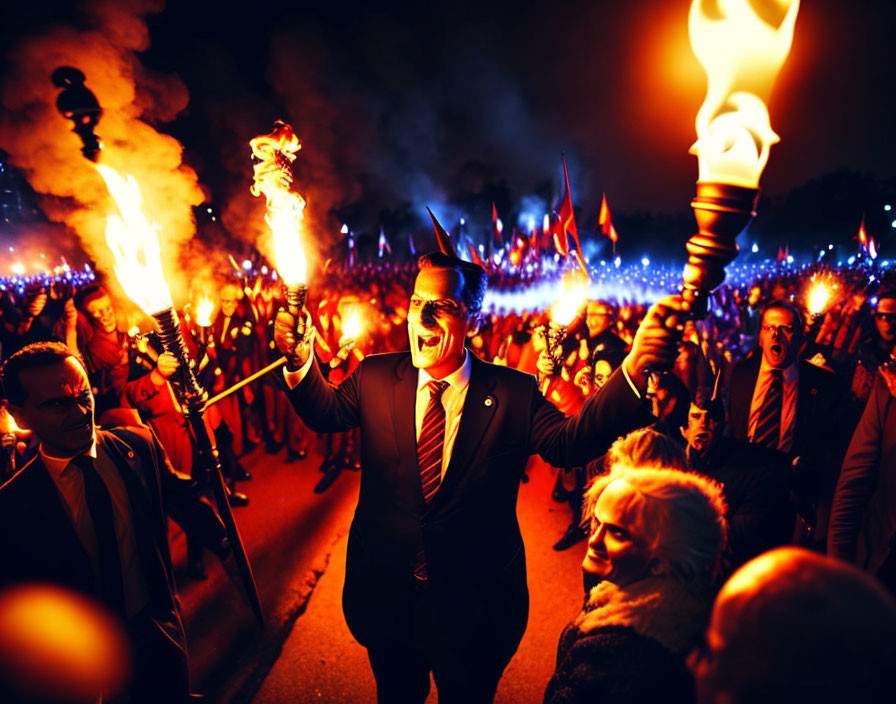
(489, 400)
(130, 454)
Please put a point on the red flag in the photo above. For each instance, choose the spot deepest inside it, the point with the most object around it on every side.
(474, 255)
(497, 228)
(568, 224)
(444, 239)
(605, 221)
(863, 235)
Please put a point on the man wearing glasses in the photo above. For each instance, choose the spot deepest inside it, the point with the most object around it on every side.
(782, 402)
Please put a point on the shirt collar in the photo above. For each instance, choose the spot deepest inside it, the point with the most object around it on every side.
(457, 380)
(791, 373)
(56, 465)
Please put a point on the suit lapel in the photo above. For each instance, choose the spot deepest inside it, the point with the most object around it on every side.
(479, 409)
(404, 399)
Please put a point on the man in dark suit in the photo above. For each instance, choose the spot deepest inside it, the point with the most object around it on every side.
(756, 480)
(782, 402)
(89, 513)
(435, 572)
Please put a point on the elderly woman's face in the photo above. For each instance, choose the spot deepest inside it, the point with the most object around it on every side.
(617, 547)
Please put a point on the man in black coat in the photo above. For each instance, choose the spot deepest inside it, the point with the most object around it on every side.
(755, 481)
(89, 513)
(435, 573)
(785, 403)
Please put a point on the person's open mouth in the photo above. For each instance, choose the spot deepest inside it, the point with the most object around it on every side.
(777, 349)
(427, 341)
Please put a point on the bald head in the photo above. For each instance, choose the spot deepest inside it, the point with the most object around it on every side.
(792, 625)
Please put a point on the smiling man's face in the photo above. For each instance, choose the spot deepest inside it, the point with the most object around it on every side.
(437, 321)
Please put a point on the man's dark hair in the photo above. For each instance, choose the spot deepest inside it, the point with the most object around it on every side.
(34, 356)
(888, 294)
(473, 276)
(714, 407)
(88, 293)
(798, 321)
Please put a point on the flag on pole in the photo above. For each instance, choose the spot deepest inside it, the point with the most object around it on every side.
(384, 243)
(475, 257)
(411, 246)
(567, 223)
(862, 236)
(497, 227)
(605, 221)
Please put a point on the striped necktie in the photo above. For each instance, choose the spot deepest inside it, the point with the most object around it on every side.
(431, 441)
(768, 423)
(99, 505)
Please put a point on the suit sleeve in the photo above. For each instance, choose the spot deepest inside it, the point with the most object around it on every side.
(323, 408)
(182, 500)
(764, 519)
(613, 411)
(858, 477)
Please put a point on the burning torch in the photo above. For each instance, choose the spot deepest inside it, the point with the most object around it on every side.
(138, 266)
(562, 314)
(741, 52)
(274, 154)
(351, 329)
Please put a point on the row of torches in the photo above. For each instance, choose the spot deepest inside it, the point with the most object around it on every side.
(741, 52)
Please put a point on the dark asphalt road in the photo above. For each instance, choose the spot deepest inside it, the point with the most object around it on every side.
(296, 542)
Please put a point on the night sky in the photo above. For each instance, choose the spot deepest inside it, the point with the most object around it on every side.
(405, 104)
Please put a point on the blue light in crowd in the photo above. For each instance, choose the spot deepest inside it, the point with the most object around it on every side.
(888, 208)
(344, 229)
(463, 221)
(247, 265)
(790, 259)
(645, 261)
(851, 261)
(830, 246)
(617, 261)
(755, 248)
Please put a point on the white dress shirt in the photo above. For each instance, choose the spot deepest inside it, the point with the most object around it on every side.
(452, 401)
(69, 481)
(789, 403)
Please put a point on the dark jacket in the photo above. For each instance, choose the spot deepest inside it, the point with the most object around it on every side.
(38, 542)
(469, 533)
(863, 515)
(819, 438)
(629, 644)
(756, 484)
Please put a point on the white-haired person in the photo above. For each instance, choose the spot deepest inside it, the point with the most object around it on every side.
(656, 543)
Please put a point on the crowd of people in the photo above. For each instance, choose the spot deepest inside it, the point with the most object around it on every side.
(756, 446)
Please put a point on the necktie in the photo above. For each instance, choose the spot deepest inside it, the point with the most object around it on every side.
(429, 456)
(431, 441)
(99, 504)
(768, 424)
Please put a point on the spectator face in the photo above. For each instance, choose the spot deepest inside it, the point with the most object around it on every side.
(885, 320)
(597, 319)
(602, 371)
(102, 313)
(58, 407)
(617, 550)
(229, 297)
(779, 338)
(702, 431)
(437, 322)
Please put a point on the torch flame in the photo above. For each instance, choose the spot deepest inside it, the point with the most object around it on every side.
(135, 245)
(741, 45)
(351, 326)
(817, 298)
(571, 300)
(7, 422)
(204, 310)
(274, 153)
